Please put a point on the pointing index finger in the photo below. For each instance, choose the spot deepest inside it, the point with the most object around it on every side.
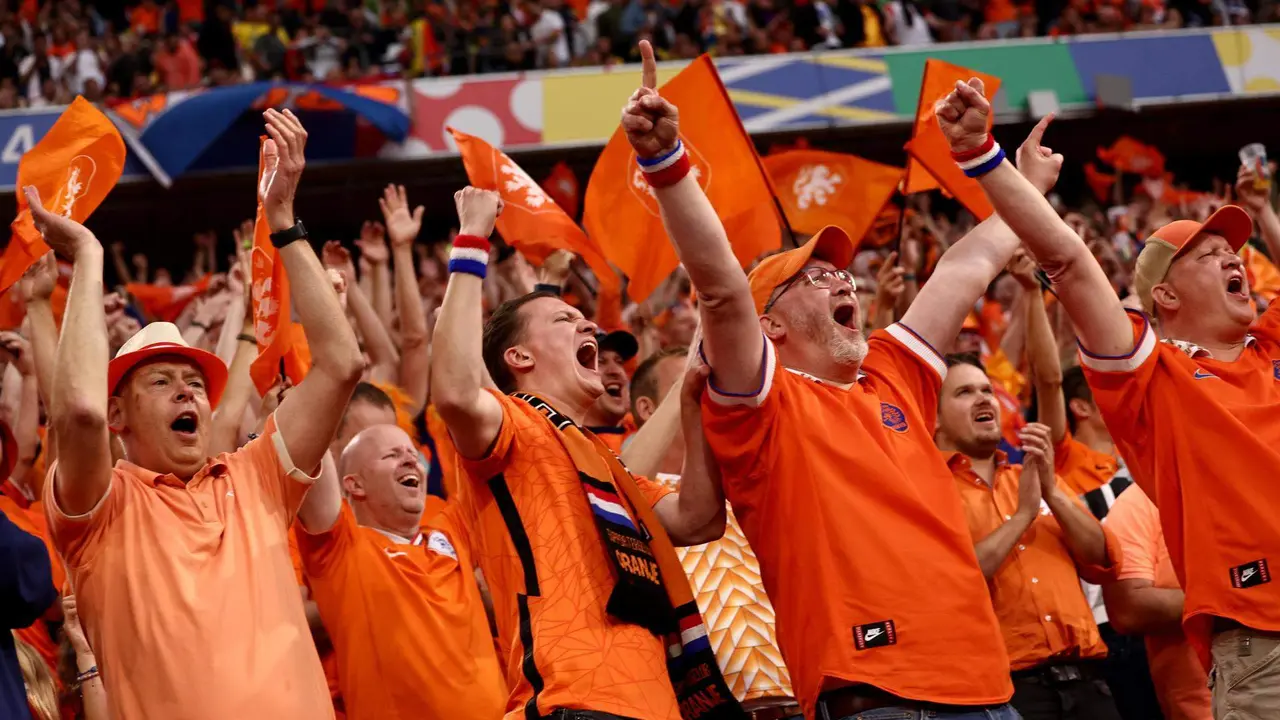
(649, 67)
(1037, 132)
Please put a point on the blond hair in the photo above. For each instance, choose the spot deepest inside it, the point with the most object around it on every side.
(42, 693)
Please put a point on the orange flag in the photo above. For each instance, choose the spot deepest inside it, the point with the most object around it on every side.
(1264, 278)
(73, 166)
(562, 186)
(166, 302)
(277, 335)
(530, 221)
(819, 188)
(1100, 182)
(931, 165)
(622, 211)
(1129, 155)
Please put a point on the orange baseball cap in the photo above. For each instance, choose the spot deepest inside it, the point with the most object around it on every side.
(1166, 244)
(162, 338)
(830, 243)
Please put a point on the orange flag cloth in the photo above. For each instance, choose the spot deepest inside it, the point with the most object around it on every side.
(931, 165)
(1264, 278)
(819, 188)
(622, 212)
(279, 339)
(1129, 155)
(562, 186)
(531, 221)
(166, 302)
(73, 166)
(1101, 183)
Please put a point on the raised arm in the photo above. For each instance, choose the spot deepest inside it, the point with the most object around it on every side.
(732, 339)
(227, 419)
(696, 513)
(27, 425)
(78, 410)
(1042, 355)
(1258, 201)
(471, 413)
(309, 416)
(969, 266)
(1081, 284)
(415, 349)
(373, 248)
(377, 340)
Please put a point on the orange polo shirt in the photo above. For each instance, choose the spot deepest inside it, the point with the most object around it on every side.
(1200, 436)
(861, 537)
(1081, 467)
(1181, 682)
(187, 594)
(1036, 592)
(406, 620)
(537, 542)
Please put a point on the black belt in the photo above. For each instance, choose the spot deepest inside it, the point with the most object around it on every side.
(855, 699)
(775, 712)
(1056, 674)
(563, 714)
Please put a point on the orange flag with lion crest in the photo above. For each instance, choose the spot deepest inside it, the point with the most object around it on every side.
(279, 340)
(73, 166)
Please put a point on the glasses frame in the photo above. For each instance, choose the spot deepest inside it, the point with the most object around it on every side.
(818, 277)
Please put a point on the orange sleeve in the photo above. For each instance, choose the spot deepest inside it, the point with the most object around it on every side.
(78, 537)
(1135, 522)
(908, 366)
(1096, 574)
(1119, 384)
(1267, 327)
(1062, 452)
(321, 552)
(739, 427)
(267, 459)
(503, 446)
(652, 491)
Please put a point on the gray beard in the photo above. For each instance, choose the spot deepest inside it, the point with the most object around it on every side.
(845, 351)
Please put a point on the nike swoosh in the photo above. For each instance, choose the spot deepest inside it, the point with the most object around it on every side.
(391, 554)
(1202, 375)
(873, 634)
(1246, 574)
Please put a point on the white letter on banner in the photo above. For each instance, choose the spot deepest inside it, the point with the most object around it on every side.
(19, 143)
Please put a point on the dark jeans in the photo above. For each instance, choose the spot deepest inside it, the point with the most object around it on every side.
(1126, 672)
(1038, 698)
(1004, 712)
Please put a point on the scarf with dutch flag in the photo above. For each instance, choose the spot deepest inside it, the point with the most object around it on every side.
(652, 589)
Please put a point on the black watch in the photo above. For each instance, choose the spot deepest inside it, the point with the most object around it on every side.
(288, 235)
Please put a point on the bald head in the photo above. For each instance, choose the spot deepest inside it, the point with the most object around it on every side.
(384, 479)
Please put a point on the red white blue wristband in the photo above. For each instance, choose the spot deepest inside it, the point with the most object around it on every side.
(667, 169)
(470, 254)
(980, 160)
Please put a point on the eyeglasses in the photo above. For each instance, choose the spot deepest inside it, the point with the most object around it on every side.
(820, 278)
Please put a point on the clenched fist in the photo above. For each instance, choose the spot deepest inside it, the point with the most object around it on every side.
(478, 210)
(651, 123)
(964, 115)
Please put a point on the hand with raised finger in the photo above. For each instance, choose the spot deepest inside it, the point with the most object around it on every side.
(402, 226)
(964, 116)
(1036, 162)
(284, 157)
(890, 281)
(66, 236)
(478, 211)
(652, 124)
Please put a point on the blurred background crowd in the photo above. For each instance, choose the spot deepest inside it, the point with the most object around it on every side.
(111, 51)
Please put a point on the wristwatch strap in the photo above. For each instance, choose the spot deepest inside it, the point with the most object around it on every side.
(289, 235)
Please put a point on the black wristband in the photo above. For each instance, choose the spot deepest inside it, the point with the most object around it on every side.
(548, 288)
(289, 235)
(246, 337)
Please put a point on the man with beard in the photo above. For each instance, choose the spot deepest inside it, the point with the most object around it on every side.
(825, 442)
(588, 592)
(1194, 415)
(608, 417)
(1034, 542)
(401, 604)
(179, 561)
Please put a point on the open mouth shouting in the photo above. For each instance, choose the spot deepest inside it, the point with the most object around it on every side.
(186, 424)
(411, 479)
(588, 354)
(845, 315)
(984, 416)
(1237, 285)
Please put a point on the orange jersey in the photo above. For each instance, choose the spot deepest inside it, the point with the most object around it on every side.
(1043, 612)
(1181, 682)
(1202, 438)
(861, 537)
(1082, 468)
(541, 552)
(189, 585)
(406, 620)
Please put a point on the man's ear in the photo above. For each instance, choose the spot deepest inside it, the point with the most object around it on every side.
(645, 407)
(772, 328)
(115, 414)
(518, 358)
(1082, 409)
(1164, 297)
(353, 486)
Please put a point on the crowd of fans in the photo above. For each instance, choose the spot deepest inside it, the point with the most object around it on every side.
(53, 51)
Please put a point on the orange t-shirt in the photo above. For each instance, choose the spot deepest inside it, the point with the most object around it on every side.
(861, 537)
(186, 591)
(541, 552)
(1082, 468)
(1202, 438)
(407, 622)
(1180, 680)
(29, 519)
(328, 662)
(1043, 612)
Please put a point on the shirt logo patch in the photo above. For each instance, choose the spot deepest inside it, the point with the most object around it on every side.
(893, 417)
(440, 545)
(876, 634)
(1250, 574)
(1202, 375)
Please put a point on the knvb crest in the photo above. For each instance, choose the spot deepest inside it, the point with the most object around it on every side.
(815, 185)
(893, 418)
(699, 168)
(1275, 369)
(75, 184)
(517, 188)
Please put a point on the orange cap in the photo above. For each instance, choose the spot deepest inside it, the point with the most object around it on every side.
(830, 243)
(1166, 244)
